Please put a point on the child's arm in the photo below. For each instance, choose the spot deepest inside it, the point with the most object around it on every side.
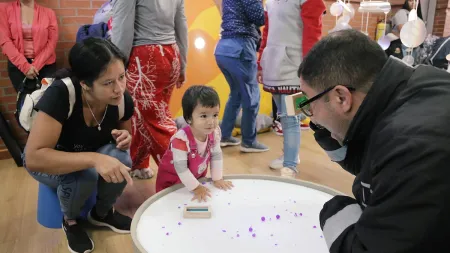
(217, 164)
(216, 157)
(180, 156)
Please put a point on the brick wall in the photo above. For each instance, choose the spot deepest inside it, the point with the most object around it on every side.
(442, 12)
(447, 21)
(73, 13)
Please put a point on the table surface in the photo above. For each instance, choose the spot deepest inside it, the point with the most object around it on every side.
(243, 219)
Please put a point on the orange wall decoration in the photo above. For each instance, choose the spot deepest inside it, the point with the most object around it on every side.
(204, 23)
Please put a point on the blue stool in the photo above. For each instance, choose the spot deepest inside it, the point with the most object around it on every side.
(49, 212)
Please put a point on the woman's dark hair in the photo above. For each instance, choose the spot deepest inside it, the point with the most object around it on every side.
(419, 10)
(89, 59)
(198, 95)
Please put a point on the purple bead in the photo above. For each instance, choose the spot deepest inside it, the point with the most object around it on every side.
(314, 227)
(278, 216)
(237, 235)
(276, 244)
(203, 183)
(179, 223)
(254, 235)
(250, 229)
(223, 230)
(263, 218)
(321, 236)
(167, 233)
(301, 214)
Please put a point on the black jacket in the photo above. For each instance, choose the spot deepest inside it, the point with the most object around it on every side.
(398, 146)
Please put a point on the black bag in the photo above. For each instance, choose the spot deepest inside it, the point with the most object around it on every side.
(395, 49)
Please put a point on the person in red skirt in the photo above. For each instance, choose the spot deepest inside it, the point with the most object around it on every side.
(153, 35)
(195, 147)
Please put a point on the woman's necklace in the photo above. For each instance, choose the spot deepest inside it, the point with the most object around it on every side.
(99, 123)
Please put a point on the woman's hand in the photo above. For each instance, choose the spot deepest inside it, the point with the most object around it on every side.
(32, 73)
(123, 138)
(201, 193)
(112, 170)
(181, 80)
(223, 185)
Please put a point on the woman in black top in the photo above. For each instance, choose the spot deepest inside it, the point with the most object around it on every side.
(90, 149)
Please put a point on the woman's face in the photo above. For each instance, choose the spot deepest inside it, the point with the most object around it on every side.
(111, 84)
(411, 4)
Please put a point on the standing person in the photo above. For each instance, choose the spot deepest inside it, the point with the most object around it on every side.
(153, 36)
(28, 36)
(87, 151)
(236, 57)
(292, 28)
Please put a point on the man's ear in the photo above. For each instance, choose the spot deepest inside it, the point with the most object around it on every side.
(343, 97)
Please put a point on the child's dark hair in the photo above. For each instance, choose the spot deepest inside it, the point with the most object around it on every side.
(198, 95)
(89, 59)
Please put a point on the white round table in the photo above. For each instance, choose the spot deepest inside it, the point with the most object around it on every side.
(260, 214)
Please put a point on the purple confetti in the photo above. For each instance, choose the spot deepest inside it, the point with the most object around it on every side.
(321, 236)
(278, 216)
(301, 214)
(223, 230)
(164, 227)
(237, 235)
(250, 229)
(314, 227)
(295, 201)
(203, 183)
(271, 234)
(167, 233)
(179, 223)
(295, 214)
(254, 235)
(229, 203)
(263, 218)
(276, 244)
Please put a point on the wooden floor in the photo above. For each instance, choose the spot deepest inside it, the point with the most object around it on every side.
(20, 232)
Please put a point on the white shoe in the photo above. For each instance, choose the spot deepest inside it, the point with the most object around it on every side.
(146, 173)
(278, 163)
(287, 173)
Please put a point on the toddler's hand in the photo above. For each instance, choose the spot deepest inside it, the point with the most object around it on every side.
(201, 193)
(223, 185)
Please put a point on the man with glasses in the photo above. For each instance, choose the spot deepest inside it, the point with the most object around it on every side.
(388, 124)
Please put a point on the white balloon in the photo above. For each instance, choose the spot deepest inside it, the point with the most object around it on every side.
(341, 26)
(448, 57)
(413, 33)
(412, 15)
(336, 9)
(349, 11)
(384, 42)
(408, 59)
(343, 19)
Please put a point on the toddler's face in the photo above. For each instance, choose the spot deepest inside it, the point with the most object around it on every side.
(205, 119)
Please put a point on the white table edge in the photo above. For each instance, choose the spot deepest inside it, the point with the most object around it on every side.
(137, 245)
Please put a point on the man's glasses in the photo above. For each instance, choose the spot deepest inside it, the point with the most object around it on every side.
(305, 104)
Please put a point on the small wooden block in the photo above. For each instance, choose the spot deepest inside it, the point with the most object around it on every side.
(197, 212)
(292, 104)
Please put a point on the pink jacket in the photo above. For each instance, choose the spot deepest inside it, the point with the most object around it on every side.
(45, 35)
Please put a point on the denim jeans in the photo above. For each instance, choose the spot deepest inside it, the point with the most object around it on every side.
(74, 189)
(291, 133)
(236, 59)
